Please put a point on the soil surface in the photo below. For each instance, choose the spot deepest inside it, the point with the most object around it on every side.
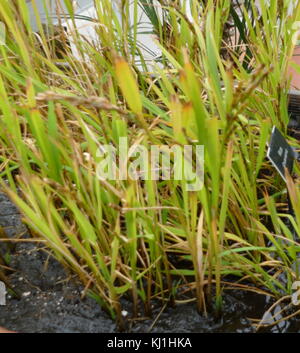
(50, 300)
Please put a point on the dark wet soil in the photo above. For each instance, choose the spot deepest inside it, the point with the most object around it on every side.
(50, 300)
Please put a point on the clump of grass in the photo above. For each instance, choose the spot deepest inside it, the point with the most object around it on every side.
(153, 239)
